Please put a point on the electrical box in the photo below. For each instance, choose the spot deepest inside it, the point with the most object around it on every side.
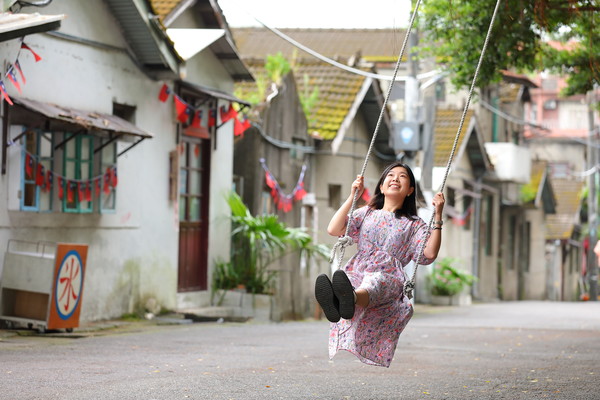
(406, 136)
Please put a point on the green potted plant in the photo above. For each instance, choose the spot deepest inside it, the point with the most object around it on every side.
(446, 281)
(257, 242)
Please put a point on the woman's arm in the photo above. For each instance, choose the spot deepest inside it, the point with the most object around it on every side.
(435, 239)
(337, 225)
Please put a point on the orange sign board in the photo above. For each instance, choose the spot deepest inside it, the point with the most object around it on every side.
(67, 286)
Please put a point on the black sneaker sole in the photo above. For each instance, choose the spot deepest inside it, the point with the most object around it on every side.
(326, 298)
(343, 290)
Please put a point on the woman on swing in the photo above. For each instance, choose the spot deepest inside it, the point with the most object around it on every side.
(365, 300)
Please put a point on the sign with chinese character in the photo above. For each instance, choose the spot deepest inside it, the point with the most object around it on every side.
(69, 271)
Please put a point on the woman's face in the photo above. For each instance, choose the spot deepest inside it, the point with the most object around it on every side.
(396, 184)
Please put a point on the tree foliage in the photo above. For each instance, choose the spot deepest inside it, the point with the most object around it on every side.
(455, 31)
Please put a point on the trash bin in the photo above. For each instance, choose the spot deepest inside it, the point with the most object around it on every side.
(42, 285)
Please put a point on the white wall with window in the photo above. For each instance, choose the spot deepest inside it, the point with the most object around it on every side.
(129, 227)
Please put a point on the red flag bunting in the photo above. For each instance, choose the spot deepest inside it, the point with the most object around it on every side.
(13, 78)
(164, 93)
(212, 117)
(4, 94)
(366, 196)
(299, 192)
(282, 201)
(39, 176)
(69, 191)
(270, 181)
(98, 187)
(60, 188)
(28, 165)
(227, 114)
(107, 181)
(49, 177)
(237, 128)
(35, 55)
(88, 191)
(81, 191)
(113, 177)
(197, 120)
(240, 127)
(20, 71)
(182, 110)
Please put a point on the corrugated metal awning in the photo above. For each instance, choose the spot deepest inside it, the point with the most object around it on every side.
(14, 26)
(199, 89)
(94, 122)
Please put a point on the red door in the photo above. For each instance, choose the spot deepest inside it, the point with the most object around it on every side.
(194, 177)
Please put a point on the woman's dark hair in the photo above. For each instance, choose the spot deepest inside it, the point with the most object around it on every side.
(409, 207)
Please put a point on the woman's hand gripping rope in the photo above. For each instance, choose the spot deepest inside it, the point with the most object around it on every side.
(358, 187)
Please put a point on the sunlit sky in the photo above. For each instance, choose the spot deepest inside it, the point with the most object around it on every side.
(317, 13)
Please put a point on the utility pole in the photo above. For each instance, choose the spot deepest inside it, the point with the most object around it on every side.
(411, 90)
(592, 264)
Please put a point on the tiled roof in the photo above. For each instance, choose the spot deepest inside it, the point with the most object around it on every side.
(444, 133)
(162, 8)
(561, 224)
(509, 92)
(373, 44)
(538, 167)
(338, 90)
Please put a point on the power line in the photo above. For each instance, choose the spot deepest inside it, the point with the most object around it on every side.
(336, 63)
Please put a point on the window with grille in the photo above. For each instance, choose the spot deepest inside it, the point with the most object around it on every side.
(67, 172)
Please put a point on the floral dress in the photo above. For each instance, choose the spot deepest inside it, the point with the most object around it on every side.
(385, 245)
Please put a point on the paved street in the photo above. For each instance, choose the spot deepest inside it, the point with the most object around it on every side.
(526, 350)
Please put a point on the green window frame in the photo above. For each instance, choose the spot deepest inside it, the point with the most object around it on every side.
(39, 146)
(78, 162)
(108, 160)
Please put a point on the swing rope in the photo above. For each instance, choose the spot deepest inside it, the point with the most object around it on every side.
(345, 240)
(409, 286)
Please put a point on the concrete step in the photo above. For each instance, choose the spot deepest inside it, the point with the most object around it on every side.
(216, 314)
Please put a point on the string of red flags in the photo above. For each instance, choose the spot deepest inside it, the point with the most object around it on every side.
(14, 72)
(366, 195)
(284, 201)
(84, 189)
(191, 116)
(460, 219)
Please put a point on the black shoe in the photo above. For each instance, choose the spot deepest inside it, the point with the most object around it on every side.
(343, 290)
(327, 300)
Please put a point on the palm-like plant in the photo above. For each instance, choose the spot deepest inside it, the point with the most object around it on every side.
(258, 241)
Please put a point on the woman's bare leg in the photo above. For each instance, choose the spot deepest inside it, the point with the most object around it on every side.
(362, 297)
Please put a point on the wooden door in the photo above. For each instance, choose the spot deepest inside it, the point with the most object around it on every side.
(194, 178)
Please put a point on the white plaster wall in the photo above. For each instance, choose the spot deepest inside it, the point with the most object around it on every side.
(560, 150)
(535, 279)
(133, 252)
(457, 242)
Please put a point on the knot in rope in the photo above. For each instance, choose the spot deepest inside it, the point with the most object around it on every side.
(409, 287)
(342, 242)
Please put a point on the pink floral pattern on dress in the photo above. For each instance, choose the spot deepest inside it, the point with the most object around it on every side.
(385, 245)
